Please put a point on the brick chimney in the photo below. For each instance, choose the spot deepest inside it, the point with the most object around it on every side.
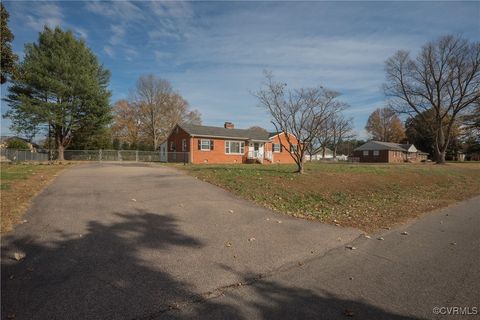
(228, 125)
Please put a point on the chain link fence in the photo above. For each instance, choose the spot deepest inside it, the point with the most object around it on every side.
(94, 155)
(14, 155)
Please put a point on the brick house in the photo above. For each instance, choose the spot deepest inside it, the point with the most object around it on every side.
(377, 151)
(204, 144)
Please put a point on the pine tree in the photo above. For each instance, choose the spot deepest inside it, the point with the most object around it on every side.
(8, 58)
(62, 85)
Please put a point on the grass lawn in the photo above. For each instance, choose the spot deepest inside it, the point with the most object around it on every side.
(19, 183)
(365, 196)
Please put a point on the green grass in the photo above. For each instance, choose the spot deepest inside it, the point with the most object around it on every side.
(11, 173)
(367, 196)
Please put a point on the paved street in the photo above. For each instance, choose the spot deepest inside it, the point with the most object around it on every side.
(138, 241)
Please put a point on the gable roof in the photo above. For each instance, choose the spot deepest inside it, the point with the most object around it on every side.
(379, 145)
(220, 132)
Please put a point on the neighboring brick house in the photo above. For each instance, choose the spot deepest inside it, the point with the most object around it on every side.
(204, 144)
(377, 151)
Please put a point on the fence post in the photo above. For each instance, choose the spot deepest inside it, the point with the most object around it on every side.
(136, 155)
(99, 154)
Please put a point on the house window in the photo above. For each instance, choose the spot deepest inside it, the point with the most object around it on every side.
(234, 147)
(184, 145)
(172, 146)
(277, 147)
(205, 145)
(365, 152)
(376, 153)
(293, 148)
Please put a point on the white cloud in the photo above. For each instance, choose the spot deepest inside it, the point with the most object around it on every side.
(44, 14)
(171, 9)
(161, 56)
(109, 51)
(118, 32)
(118, 10)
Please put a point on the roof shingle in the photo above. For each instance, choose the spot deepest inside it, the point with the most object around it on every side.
(220, 132)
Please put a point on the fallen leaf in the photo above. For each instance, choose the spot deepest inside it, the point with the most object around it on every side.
(231, 211)
(134, 200)
(453, 243)
(19, 256)
(228, 244)
(279, 221)
(380, 238)
(251, 239)
(368, 237)
(351, 247)
(404, 233)
(349, 313)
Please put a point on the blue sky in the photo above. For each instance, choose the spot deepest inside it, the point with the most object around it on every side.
(214, 53)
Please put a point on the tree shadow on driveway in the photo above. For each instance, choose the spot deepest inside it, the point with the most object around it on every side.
(107, 273)
(102, 274)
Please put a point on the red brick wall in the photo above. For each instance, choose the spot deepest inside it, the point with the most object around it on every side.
(396, 156)
(177, 154)
(382, 157)
(283, 156)
(193, 155)
(217, 155)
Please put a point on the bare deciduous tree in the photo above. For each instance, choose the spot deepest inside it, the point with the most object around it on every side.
(152, 112)
(445, 77)
(299, 112)
(342, 129)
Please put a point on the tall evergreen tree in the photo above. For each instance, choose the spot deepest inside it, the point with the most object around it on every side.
(60, 84)
(8, 58)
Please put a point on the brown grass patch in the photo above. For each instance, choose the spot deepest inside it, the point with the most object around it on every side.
(20, 183)
(363, 196)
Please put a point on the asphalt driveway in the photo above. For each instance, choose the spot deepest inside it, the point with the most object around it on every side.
(132, 241)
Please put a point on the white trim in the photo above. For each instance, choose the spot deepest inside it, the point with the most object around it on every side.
(201, 145)
(279, 149)
(184, 145)
(228, 142)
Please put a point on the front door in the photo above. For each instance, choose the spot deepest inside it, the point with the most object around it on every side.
(258, 150)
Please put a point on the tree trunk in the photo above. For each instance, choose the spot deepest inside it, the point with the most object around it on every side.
(300, 168)
(60, 149)
(440, 145)
(441, 157)
(300, 163)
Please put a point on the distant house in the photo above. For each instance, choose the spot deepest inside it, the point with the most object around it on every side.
(319, 155)
(205, 144)
(327, 156)
(4, 140)
(377, 151)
